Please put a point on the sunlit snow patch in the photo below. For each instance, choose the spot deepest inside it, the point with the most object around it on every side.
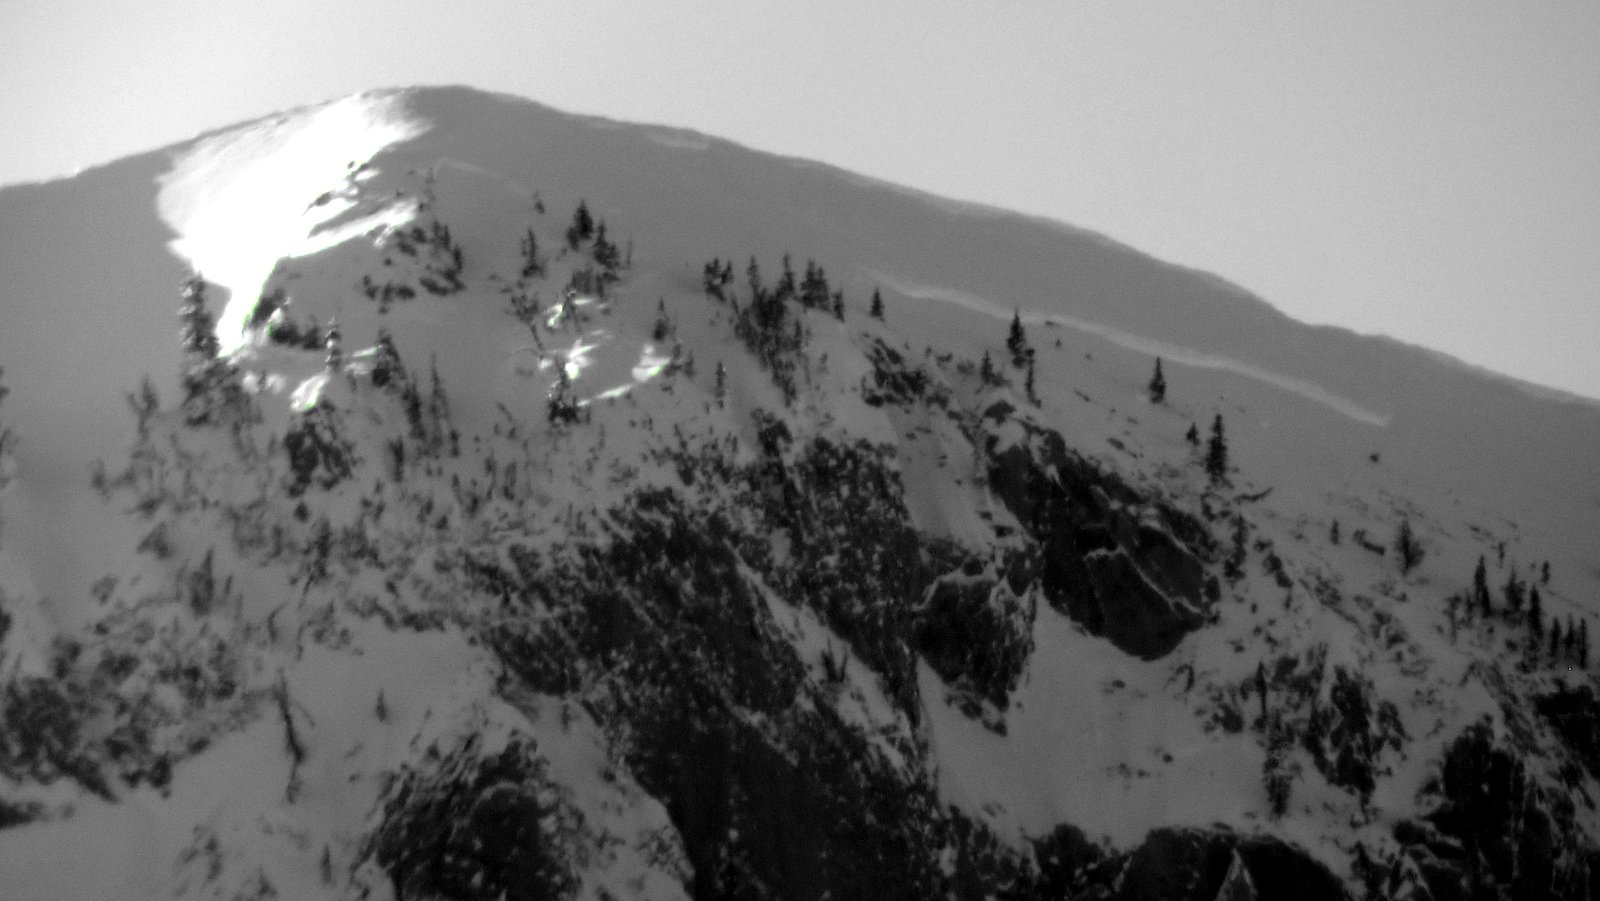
(651, 364)
(308, 392)
(598, 356)
(571, 309)
(243, 200)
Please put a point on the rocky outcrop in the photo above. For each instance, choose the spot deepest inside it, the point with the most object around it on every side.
(475, 825)
(975, 628)
(1349, 730)
(1496, 833)
(1574, 714)
(895, 381)
(1112, 559)
(1201, 865)
(669, 644)
(1237, 885)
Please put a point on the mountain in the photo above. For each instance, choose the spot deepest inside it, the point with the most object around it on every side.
(530, 505)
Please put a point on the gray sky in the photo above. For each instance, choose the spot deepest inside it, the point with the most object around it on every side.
(1428, 170)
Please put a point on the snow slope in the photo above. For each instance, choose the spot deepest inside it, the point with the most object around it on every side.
(1325, 427)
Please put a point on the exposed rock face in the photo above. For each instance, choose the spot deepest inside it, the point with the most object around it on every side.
(976, 629)
(1066, 860)
(1112, 560)
(476, 826)
(1575, 715)
(668, 641)
(1198, 865)
(611, 629)
(1237, 885)
(1495, 834)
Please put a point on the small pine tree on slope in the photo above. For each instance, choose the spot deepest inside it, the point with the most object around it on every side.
(1217, 452)
(198, 329)
(1480, 588)
(1514, 591)
(209, 382)
(1017, 341)
(582, 227)
(1407, 548)
(1536, 615)
(1158, 385)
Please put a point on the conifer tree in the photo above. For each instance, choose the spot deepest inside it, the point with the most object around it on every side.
(8, 443)
(1279, 771)
(1555, 638)
(1513, 590)
(814, 287)
(838, 305)
(986, 370)
(663, 325)
(144, 405)
(711, 277)
(605, 254)
(721, 389)
(438, 402)
(753, 276)
(1261, 688)
(1017, 340)
(561, 407)
(1033, 396)
(1480, 587)
(210, 382)
(532, 264)
(1407, 548)
(786, 281)
(334, 348)
(1158, 385)
(1193, 435)
(198, 328)
(1535, 614)
(1333, 533)
(1217, 452)
(876, 311)
(582, 227)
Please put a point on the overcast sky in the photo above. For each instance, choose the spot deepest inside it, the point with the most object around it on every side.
(1429, 171)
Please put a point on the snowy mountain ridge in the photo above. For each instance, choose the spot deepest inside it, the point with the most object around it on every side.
(519, 516)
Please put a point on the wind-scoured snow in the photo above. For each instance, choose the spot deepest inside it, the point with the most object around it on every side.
(1168, 351)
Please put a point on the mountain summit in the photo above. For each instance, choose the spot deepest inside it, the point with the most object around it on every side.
(528, 505)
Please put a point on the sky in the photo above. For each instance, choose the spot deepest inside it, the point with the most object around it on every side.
(1426, 170)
